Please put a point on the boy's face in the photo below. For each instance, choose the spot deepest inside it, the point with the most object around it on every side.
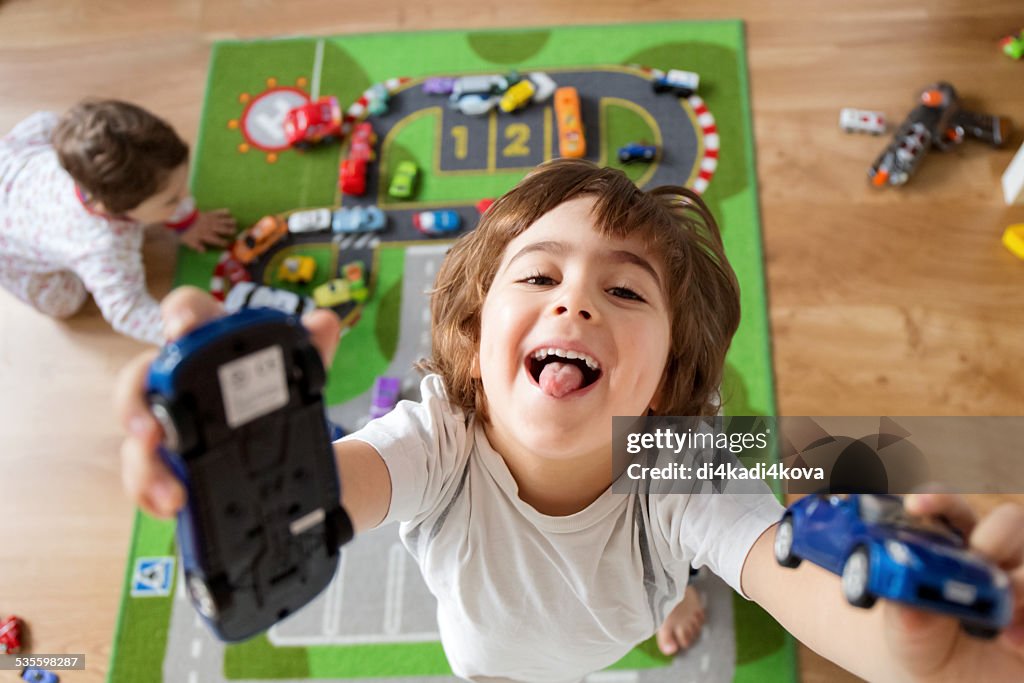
(161, 206)
(562, 286)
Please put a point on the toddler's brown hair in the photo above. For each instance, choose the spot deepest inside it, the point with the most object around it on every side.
(118, 153)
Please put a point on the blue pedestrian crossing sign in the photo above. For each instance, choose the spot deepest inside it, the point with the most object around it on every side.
(152, 577)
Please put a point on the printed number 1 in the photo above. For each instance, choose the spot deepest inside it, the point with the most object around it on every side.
(461, 135)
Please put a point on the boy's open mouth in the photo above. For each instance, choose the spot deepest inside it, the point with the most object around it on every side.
(559, 372)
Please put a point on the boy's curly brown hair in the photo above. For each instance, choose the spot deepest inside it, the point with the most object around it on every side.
(117, 152)
(675, 225)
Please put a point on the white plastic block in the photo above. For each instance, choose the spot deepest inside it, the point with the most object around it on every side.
(1013, 179)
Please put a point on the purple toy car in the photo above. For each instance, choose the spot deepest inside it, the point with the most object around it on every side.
(385, 396)
(438, 85)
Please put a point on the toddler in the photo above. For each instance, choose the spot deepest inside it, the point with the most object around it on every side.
(580, 297)
(75, 195)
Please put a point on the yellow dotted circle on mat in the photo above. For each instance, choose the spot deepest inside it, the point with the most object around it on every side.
(271, 158)
(271, 82)
(233, 124)
(243, 148)
(301, 81)
(243, 98)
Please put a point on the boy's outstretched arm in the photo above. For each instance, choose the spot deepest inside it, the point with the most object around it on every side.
(889, 642)
(365, 482)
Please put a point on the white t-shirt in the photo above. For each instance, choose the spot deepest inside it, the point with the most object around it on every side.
(524, 596)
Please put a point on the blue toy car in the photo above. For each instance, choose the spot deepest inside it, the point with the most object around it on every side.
(881, 552)
(33, 675)
(636, 151)
(239, 400)
(358, 219)
(437, 222)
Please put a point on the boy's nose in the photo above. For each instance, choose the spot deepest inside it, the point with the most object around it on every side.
(562, 310)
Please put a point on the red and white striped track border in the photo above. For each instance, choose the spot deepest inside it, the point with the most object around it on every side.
(709, 162)
(217, 281)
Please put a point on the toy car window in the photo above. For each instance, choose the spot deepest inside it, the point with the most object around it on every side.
(882, 510)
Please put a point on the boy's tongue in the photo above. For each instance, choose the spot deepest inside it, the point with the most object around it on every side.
(558, 379)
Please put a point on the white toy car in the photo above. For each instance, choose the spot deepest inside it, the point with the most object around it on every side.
(680, 83)
(252, 295)
(543, 83)
(477, 95)
(312, 220)
(862, 121)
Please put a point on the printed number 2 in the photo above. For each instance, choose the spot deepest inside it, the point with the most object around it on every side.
(518, 134)
(461, 135)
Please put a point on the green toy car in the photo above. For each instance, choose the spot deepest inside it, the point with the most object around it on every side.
(404, 180)
(1013, 46)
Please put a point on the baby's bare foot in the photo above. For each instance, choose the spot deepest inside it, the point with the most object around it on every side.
(683, 623)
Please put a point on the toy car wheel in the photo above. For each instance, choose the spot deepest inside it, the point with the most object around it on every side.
(202, 596)
(180, 431)
(784, 544)
(856, 578)
(979, 631)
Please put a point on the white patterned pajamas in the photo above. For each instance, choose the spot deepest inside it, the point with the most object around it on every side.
(55, 251)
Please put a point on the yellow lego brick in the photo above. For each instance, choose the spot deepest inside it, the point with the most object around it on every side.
(1013, 238)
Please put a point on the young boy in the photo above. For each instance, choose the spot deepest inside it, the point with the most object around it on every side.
(578, 298)
(75, 195)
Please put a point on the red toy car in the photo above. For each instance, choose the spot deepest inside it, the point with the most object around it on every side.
(10, 635)
(362, 142)
(352, 177)
(313, 123)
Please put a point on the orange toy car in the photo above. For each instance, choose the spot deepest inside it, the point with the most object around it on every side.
(257, 239)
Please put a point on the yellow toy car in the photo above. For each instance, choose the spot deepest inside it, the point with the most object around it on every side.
(518, 96)
(297, 269)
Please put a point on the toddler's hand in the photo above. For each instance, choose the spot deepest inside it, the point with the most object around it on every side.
(933, 647)
(211, 229)
(146, 479)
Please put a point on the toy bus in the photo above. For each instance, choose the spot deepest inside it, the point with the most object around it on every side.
(571, 142)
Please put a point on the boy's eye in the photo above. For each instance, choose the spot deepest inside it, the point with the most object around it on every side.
(625, 293)
(538, 280)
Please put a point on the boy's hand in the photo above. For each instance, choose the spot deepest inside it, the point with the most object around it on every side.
(211, 229)
(933, 647)
(146, 479)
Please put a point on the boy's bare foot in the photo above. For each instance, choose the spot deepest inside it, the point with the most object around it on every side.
(683, 623)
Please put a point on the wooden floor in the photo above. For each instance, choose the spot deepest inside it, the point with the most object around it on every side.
(882, 302)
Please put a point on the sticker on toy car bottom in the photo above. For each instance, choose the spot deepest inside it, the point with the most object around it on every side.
(253, 385)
